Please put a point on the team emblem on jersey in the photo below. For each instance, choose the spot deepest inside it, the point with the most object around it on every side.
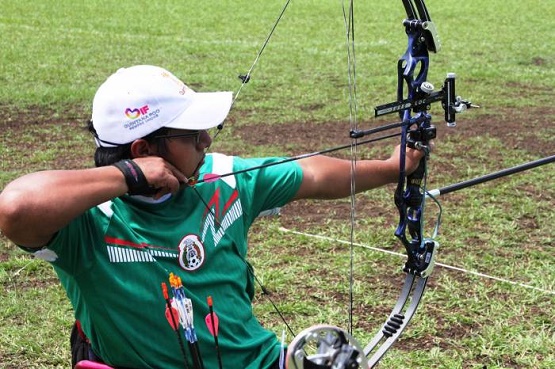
(191, 252)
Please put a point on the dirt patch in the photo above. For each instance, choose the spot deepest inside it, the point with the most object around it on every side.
(531, 131)
(517, 129)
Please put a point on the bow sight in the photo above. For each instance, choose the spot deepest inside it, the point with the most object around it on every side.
(422, 38)
(425, 96)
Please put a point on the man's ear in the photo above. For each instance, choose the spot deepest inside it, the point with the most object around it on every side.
(141, 148)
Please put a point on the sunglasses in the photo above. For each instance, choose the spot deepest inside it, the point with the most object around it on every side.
(196, 135)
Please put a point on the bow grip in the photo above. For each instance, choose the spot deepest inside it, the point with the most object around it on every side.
(413, 195)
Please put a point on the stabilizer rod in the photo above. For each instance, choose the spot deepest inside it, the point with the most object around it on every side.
(489, 177)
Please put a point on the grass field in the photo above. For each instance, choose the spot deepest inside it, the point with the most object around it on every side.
(54, 55)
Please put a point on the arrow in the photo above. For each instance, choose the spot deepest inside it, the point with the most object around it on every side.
(172, 315)
(212, 177)
(212, 322)
(184, 306)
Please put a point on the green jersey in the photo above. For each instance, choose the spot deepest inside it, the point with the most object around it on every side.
(113, 259)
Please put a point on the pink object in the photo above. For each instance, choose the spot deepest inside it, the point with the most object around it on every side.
(211, 319)
(213, 329)
(87, 364)
(173, 320)
(209, 177)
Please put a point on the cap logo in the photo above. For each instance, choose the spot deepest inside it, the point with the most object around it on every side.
(139, 116)
(136, 113)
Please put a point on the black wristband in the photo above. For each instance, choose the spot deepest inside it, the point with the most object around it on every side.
(134, 178)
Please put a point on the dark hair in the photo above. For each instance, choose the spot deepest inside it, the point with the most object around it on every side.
(104, 156)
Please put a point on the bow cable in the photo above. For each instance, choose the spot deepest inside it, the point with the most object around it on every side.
(349, 21)
(245, 78)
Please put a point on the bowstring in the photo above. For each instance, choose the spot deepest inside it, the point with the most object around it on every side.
(349, 22)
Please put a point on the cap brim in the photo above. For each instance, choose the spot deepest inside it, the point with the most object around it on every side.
(207, 110)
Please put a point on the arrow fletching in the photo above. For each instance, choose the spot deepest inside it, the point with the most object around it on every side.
(172, 315)
(211, 319)
(212, 323)
(210, 177)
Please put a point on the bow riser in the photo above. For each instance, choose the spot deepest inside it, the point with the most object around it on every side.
(414, 95)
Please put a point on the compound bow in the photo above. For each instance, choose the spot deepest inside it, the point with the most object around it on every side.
(331, 347)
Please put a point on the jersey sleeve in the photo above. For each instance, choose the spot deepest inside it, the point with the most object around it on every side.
(269, 187)
(72, 245)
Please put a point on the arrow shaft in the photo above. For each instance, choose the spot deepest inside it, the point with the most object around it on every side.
(212, 178)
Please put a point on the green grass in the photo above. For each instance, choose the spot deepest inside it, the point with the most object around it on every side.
(59, 52)
(54, 55)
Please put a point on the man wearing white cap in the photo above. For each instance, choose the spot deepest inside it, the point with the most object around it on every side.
(154, 206)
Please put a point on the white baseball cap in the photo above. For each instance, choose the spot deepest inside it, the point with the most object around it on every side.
(136, 101)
